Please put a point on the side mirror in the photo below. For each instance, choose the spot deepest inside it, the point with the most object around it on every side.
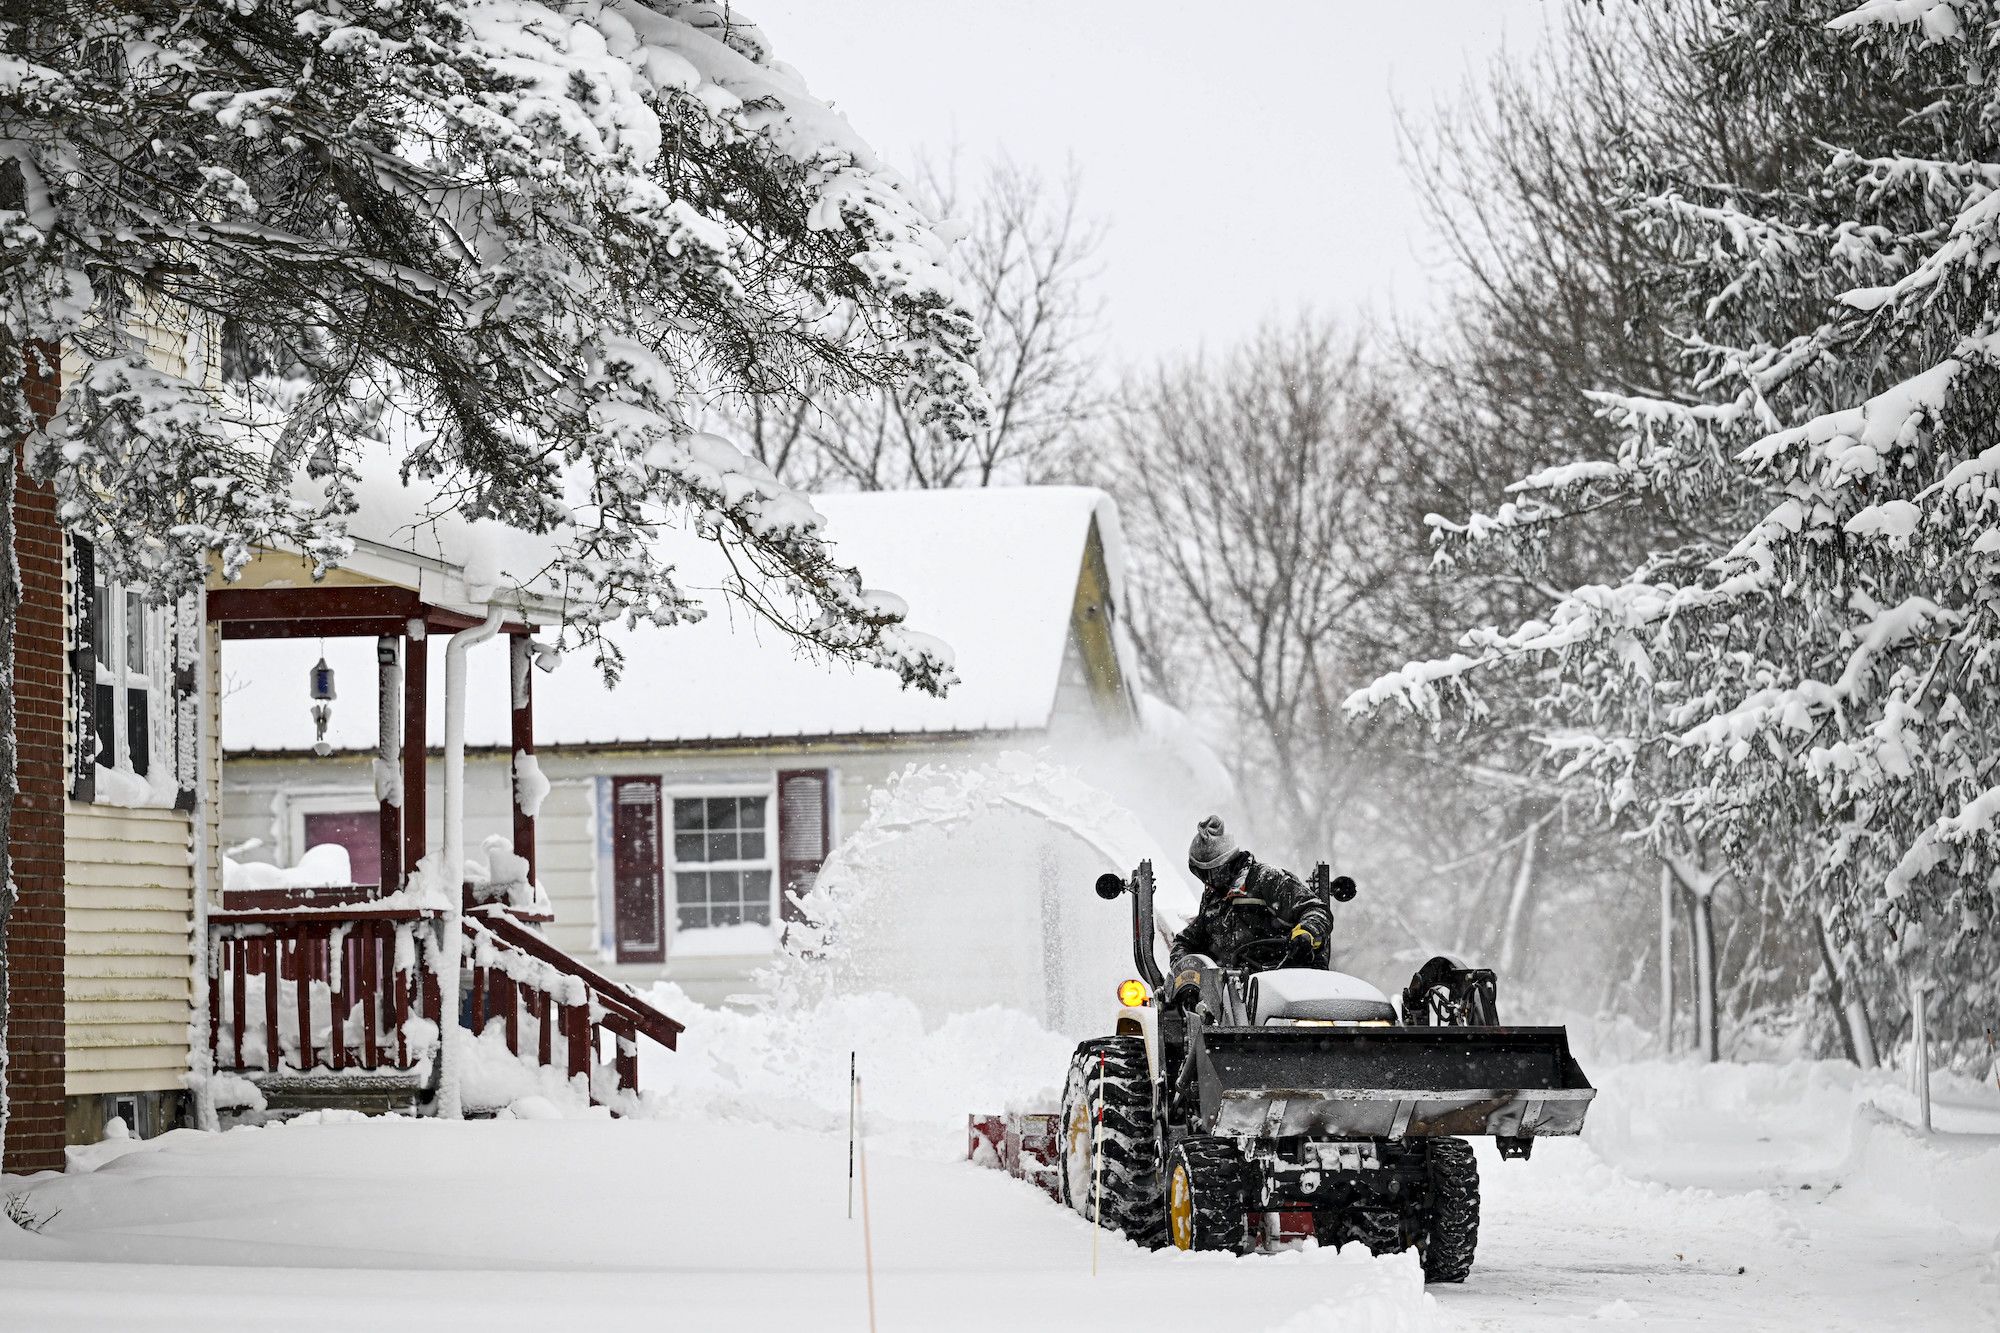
(1342, 889)
(1109, 886)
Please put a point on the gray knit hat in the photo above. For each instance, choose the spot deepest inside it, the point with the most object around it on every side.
(1212, 845)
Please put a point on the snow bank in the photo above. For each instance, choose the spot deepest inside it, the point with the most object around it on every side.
(1384, 1295)
(1802, 1126)
(324, 865)
(922, 1074)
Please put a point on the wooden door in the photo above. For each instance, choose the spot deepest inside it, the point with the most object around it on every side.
(639, 920)
(359, 831)
(805, 817)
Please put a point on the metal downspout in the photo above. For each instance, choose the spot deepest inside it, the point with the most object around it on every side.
(452, 872)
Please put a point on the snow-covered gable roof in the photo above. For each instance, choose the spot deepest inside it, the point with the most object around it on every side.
(993, 572)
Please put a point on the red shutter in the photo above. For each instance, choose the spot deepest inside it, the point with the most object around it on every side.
(637, 910)
(805, 820)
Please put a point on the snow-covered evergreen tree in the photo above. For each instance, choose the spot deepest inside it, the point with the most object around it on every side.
(1816, 693)
(546, 234)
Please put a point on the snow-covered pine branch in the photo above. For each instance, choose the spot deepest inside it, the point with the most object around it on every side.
(541, 236)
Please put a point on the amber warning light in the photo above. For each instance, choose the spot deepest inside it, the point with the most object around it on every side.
(1132, 994)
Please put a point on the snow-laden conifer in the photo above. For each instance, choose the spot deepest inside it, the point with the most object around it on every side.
(1813, 689)
(515, 247)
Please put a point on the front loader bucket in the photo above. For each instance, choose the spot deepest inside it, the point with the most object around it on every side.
(1390, 1082)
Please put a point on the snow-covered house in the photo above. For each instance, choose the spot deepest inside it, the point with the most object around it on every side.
(136, 978)
(676, 807)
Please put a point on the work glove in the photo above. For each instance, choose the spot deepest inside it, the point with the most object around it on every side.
(1304, 942)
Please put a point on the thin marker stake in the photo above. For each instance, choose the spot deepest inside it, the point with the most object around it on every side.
(1097, 1168)
(851, 1094)
(867, 1242)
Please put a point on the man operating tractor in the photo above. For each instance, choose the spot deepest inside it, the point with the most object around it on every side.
(1245, 902)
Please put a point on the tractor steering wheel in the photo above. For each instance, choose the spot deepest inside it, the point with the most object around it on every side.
(1266, 954)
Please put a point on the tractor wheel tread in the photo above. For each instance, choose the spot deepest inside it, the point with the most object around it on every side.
(1453, 1231)
(1133, 1201)
(1222, 1189)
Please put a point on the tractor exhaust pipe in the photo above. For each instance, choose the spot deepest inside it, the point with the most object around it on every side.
(1109, 886)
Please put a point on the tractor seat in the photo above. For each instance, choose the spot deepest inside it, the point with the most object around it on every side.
(1306, 994)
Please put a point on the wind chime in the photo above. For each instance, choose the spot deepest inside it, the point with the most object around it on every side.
(322, 709)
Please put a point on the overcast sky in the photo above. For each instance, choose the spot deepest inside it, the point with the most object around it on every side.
(1244, 156)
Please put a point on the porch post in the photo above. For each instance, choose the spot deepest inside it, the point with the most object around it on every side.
(389, 757)
(522, 676)
(416, 682)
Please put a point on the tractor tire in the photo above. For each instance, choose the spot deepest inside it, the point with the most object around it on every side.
(1108, 1077)
(1453, 1230)
(1210, 1192)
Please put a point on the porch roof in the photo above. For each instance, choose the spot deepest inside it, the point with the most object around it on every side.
(993, 572)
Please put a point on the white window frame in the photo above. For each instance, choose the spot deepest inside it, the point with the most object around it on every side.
(111, 609)
(671, 863)
(319, 801)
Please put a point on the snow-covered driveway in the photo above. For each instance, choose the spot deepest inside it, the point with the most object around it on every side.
(712, 1225)
(568, 1224)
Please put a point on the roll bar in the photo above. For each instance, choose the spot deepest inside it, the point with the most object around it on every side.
(1140, 886)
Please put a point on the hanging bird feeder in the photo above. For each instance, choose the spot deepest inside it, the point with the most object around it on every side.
(322, 710)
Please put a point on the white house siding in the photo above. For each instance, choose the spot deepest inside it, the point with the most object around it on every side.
(263, 797)
(128, 988)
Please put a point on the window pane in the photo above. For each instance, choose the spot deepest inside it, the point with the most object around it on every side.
(690, 918)
(102, 719)
(135, 633)
(757, 891)
(691, 888)
(729, 915)
(687, 847)
(751, 813)
(752, 846)
(687, 815)
(721, 847)
(138, 731)
(721, 812)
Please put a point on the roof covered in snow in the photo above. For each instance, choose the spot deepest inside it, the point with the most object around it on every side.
(993, 572)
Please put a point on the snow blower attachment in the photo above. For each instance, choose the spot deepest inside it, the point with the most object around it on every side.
(1242, 1105)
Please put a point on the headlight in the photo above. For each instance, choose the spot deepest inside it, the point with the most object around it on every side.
(1133, 994)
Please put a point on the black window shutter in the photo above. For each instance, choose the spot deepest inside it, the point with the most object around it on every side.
(805, 817)
(84, 741)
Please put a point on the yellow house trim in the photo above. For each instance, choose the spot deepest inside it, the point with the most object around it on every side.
(1091, 619)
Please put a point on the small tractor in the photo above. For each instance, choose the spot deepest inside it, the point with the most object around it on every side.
(1238, 1107)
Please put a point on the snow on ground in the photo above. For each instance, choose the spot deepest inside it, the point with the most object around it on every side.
(1744, 1196)
(1748, 1196)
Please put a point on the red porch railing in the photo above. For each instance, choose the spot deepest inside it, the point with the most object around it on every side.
(536, 991)
(300, 990)
(310, 995)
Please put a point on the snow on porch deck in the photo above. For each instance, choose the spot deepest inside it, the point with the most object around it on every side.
(556, 1224)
